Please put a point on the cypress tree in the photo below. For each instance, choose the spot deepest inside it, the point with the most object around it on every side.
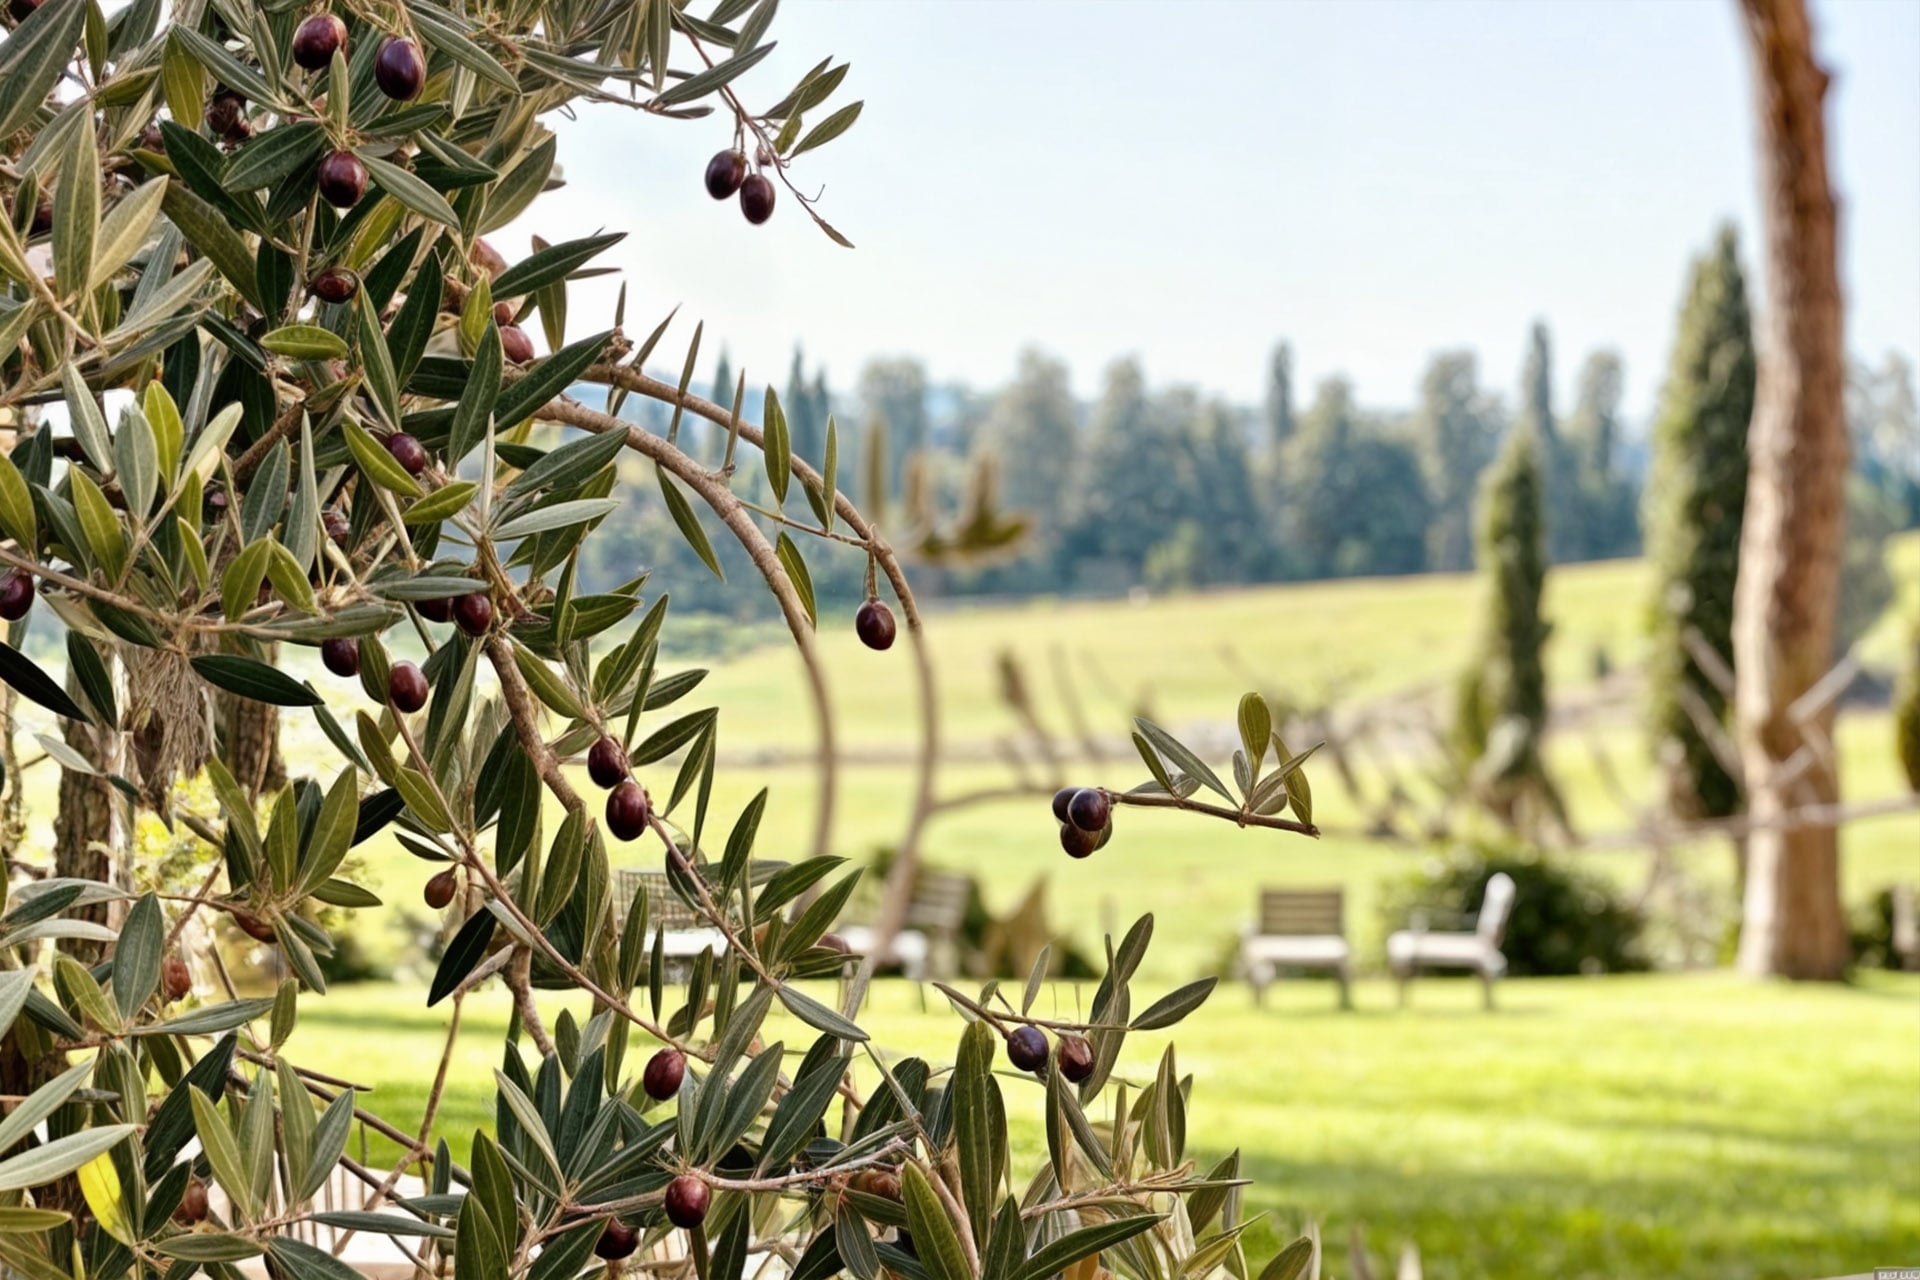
(1279, 408)
(1503, 706)
(1553, 458)
(1696, 495)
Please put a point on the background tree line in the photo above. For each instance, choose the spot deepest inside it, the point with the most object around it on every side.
(1300, 487)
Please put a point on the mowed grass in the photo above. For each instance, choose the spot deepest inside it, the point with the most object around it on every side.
(1679, 1126)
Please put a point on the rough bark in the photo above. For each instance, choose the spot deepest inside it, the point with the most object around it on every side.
(90, 826)
(250, 744)
(1791, 540)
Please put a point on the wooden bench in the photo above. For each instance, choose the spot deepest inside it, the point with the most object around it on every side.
(928, 944)
(1298, 929)
(1477, 950)
(688, 933)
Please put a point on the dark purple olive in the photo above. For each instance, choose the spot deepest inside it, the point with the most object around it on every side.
(399, 69)
(1076, 1058)
(438, 609)
(440, 890)
(316, 39)
(687, 1199)
(1089, 809)
(343, 179)
(1060, 799)
(338, 527)
(607, 763)
(42, 217)
(176, 980)
(756, 198)
(16, 595)
(617, 1240)
(239, 132)
(407, 687)
(1027, 1048)
(874, 625)
(515, 345)
(408, 452)
(503, 314)
(725, 172)
(223, 111)
(663, 1075)
(193, 1203)
(340, 656)
(473, 613)
(1078, 843)
(336, 285)
(627, 810)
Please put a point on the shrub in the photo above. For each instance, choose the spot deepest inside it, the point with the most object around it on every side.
(1564, 920)
(330, 431)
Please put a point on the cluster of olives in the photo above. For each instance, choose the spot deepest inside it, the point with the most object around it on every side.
(687, 1197)
(628, 808)
(399, 69)
(1086, 819)
(1027, 1051)
(727, 175)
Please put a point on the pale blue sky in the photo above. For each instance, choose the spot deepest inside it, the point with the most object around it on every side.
(1374, 180)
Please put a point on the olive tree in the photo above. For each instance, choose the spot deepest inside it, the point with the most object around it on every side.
(298, 407)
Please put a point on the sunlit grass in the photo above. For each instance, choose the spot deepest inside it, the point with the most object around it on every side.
(1680, 1126)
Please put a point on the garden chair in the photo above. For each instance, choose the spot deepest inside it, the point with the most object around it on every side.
(1298, 929)
(687, 933)
(1476, 949)
(928, 944)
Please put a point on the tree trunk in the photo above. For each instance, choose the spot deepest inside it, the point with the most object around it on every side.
(250, 744)
(1788, 588)
(90, 830)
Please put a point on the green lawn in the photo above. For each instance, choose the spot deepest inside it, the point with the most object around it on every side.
(1676, 1126)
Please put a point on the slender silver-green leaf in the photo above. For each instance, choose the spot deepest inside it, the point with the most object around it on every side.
(1293, 1262)
(32, 58)
(137, 461)
(1175, 1005)
(934, 1236)
(410, 190)
(829, 129)
(560, 515)
(136, 957)
(688, 523)
(1173, 749)
(329, 1143)
(125, 229)
(42, 1102)
(62, 1156)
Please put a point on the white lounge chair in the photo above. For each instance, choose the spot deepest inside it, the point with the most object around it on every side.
(1411, 950)
(1298, 929)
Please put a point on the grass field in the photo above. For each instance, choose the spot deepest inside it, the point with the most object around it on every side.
(1677, 1126)
(1685, 1126)
(1351, 641)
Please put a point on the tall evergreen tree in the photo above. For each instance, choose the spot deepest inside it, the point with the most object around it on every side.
(1455, 431)
(712, 444)
(1503, 703)
(1126, 498)
(1355, 500)
(806, 419)
(1556, 466)
(1696, 496)
(1222, 503)
(1279, 406)
(1602, 523)
(1035, 420)
(894, 391)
